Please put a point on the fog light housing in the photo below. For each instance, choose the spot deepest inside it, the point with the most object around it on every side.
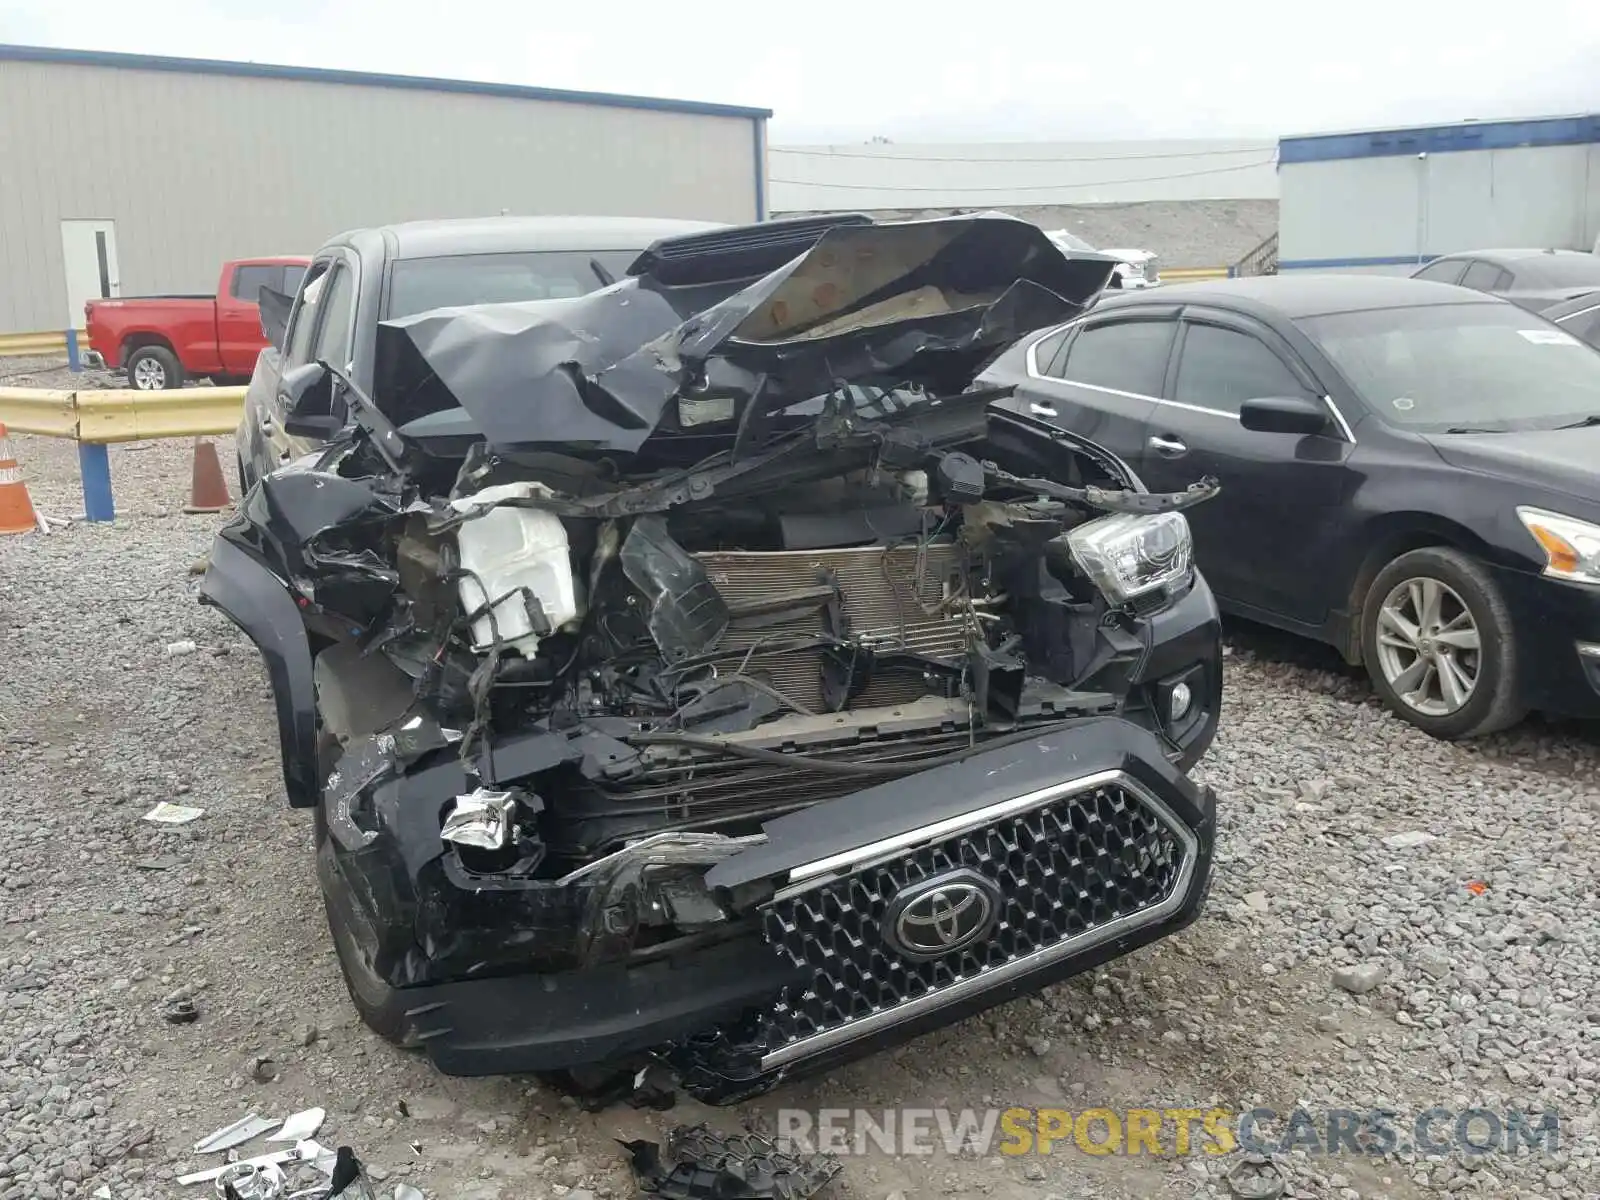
(1179, 702)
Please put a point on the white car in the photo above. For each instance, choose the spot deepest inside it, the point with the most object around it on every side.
(1137, 268)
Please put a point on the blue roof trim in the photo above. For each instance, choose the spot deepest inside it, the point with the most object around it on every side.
(1385, 260)
(1441, 139)
(419, 83)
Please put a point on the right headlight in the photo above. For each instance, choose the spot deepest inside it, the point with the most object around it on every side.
(1130, 554)
(1571, 547)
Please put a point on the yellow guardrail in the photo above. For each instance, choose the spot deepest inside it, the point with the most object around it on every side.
(101, 417)
(19, 345)
(39, 410)
(105, 417)
(1192, 274)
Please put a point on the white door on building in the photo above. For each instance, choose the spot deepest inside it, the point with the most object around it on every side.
(89, 249)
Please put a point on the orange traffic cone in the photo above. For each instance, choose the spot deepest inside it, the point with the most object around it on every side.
(208, 491)
(16, 509)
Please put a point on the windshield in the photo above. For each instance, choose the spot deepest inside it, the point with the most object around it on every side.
(419, 284)
(1462, 366)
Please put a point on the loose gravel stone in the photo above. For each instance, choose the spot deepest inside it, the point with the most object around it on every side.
(1484, 942)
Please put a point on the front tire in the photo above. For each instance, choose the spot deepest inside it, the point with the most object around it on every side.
(154, 369)
(1440, 646)
(380, 1006)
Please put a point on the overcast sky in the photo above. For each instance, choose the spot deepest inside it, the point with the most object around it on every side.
(933, 71)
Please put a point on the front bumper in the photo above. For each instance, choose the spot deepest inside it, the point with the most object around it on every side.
(1086, 839)
(1554, 621)
(1184, 646)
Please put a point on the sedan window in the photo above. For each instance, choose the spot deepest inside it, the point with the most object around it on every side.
(1125, 356)
(1483, 277)
(1438, 367)
(1444, 270)
(1222, 368)
(1584, 324)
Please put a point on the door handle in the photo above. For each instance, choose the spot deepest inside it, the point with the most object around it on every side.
(1041, 410)
(1167, 447)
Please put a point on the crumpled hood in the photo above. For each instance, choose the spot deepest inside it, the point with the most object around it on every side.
(1565, 461)
(918, 302)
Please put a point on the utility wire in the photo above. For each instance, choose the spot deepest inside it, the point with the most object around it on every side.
(1028, 187)
(1052, 159)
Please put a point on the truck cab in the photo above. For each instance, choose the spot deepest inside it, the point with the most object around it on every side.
(166, 341)
(367, 276)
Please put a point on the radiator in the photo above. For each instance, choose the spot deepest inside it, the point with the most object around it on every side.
(887, 594)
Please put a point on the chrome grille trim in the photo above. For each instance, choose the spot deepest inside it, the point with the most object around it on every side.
(820, 874)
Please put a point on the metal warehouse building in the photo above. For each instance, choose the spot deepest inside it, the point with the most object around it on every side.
(1387, 200)
(131, 175)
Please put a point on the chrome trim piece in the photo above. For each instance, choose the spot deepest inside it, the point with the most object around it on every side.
(1588, 649)
(984, 981)
(1338, 417)
(849, 860)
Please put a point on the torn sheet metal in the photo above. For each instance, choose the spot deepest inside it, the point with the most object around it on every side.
(914, 302)
(701, 1163)
(481, 819)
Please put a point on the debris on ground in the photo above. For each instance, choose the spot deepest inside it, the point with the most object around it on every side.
(1408, 840)
(168, 813)
(181, 1012)
(1256, 1177)
(297, 1127)
(179, 649)
(237, 1134)
(701, 1163)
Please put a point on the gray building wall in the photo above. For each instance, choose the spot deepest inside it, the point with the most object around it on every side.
(1389, 212)
(196, 167)
(894, 176)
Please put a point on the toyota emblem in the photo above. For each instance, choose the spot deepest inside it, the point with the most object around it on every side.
(941, 915)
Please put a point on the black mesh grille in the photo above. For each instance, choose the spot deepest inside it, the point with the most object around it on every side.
(1061, 870)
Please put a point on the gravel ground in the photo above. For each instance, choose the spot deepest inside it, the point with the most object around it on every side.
(51, 372)
(1331, 968)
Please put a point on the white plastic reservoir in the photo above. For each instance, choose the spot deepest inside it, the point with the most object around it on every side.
(510, 549)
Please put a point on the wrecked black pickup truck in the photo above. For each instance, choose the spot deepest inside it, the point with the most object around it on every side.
(704, 672)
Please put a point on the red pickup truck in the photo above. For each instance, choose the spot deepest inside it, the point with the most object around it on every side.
(164, 341)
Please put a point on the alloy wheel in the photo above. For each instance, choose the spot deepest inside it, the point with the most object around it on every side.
(149, 375)
(1429, 646)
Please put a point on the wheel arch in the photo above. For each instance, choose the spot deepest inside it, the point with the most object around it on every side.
(1386, 537)
(139, 339)
(259, 604)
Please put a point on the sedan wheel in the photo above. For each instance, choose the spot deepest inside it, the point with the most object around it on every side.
(1438, 641)
(1428, 646)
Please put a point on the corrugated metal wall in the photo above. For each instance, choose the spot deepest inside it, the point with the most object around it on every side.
(1405, 209)
(198, 168)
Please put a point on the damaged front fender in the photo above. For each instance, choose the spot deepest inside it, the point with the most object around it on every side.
(258, 602)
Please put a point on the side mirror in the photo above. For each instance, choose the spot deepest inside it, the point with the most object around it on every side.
(305, 396)
(1283, 414)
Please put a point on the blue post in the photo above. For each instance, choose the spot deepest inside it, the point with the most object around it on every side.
(94, 464)
(74, 363)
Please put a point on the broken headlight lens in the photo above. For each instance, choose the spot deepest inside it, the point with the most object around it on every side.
(1129, 554)
(1571, 547)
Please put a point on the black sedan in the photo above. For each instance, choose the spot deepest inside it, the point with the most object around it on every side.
(1579, 316)
(1410, 472)
(1535, 279)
